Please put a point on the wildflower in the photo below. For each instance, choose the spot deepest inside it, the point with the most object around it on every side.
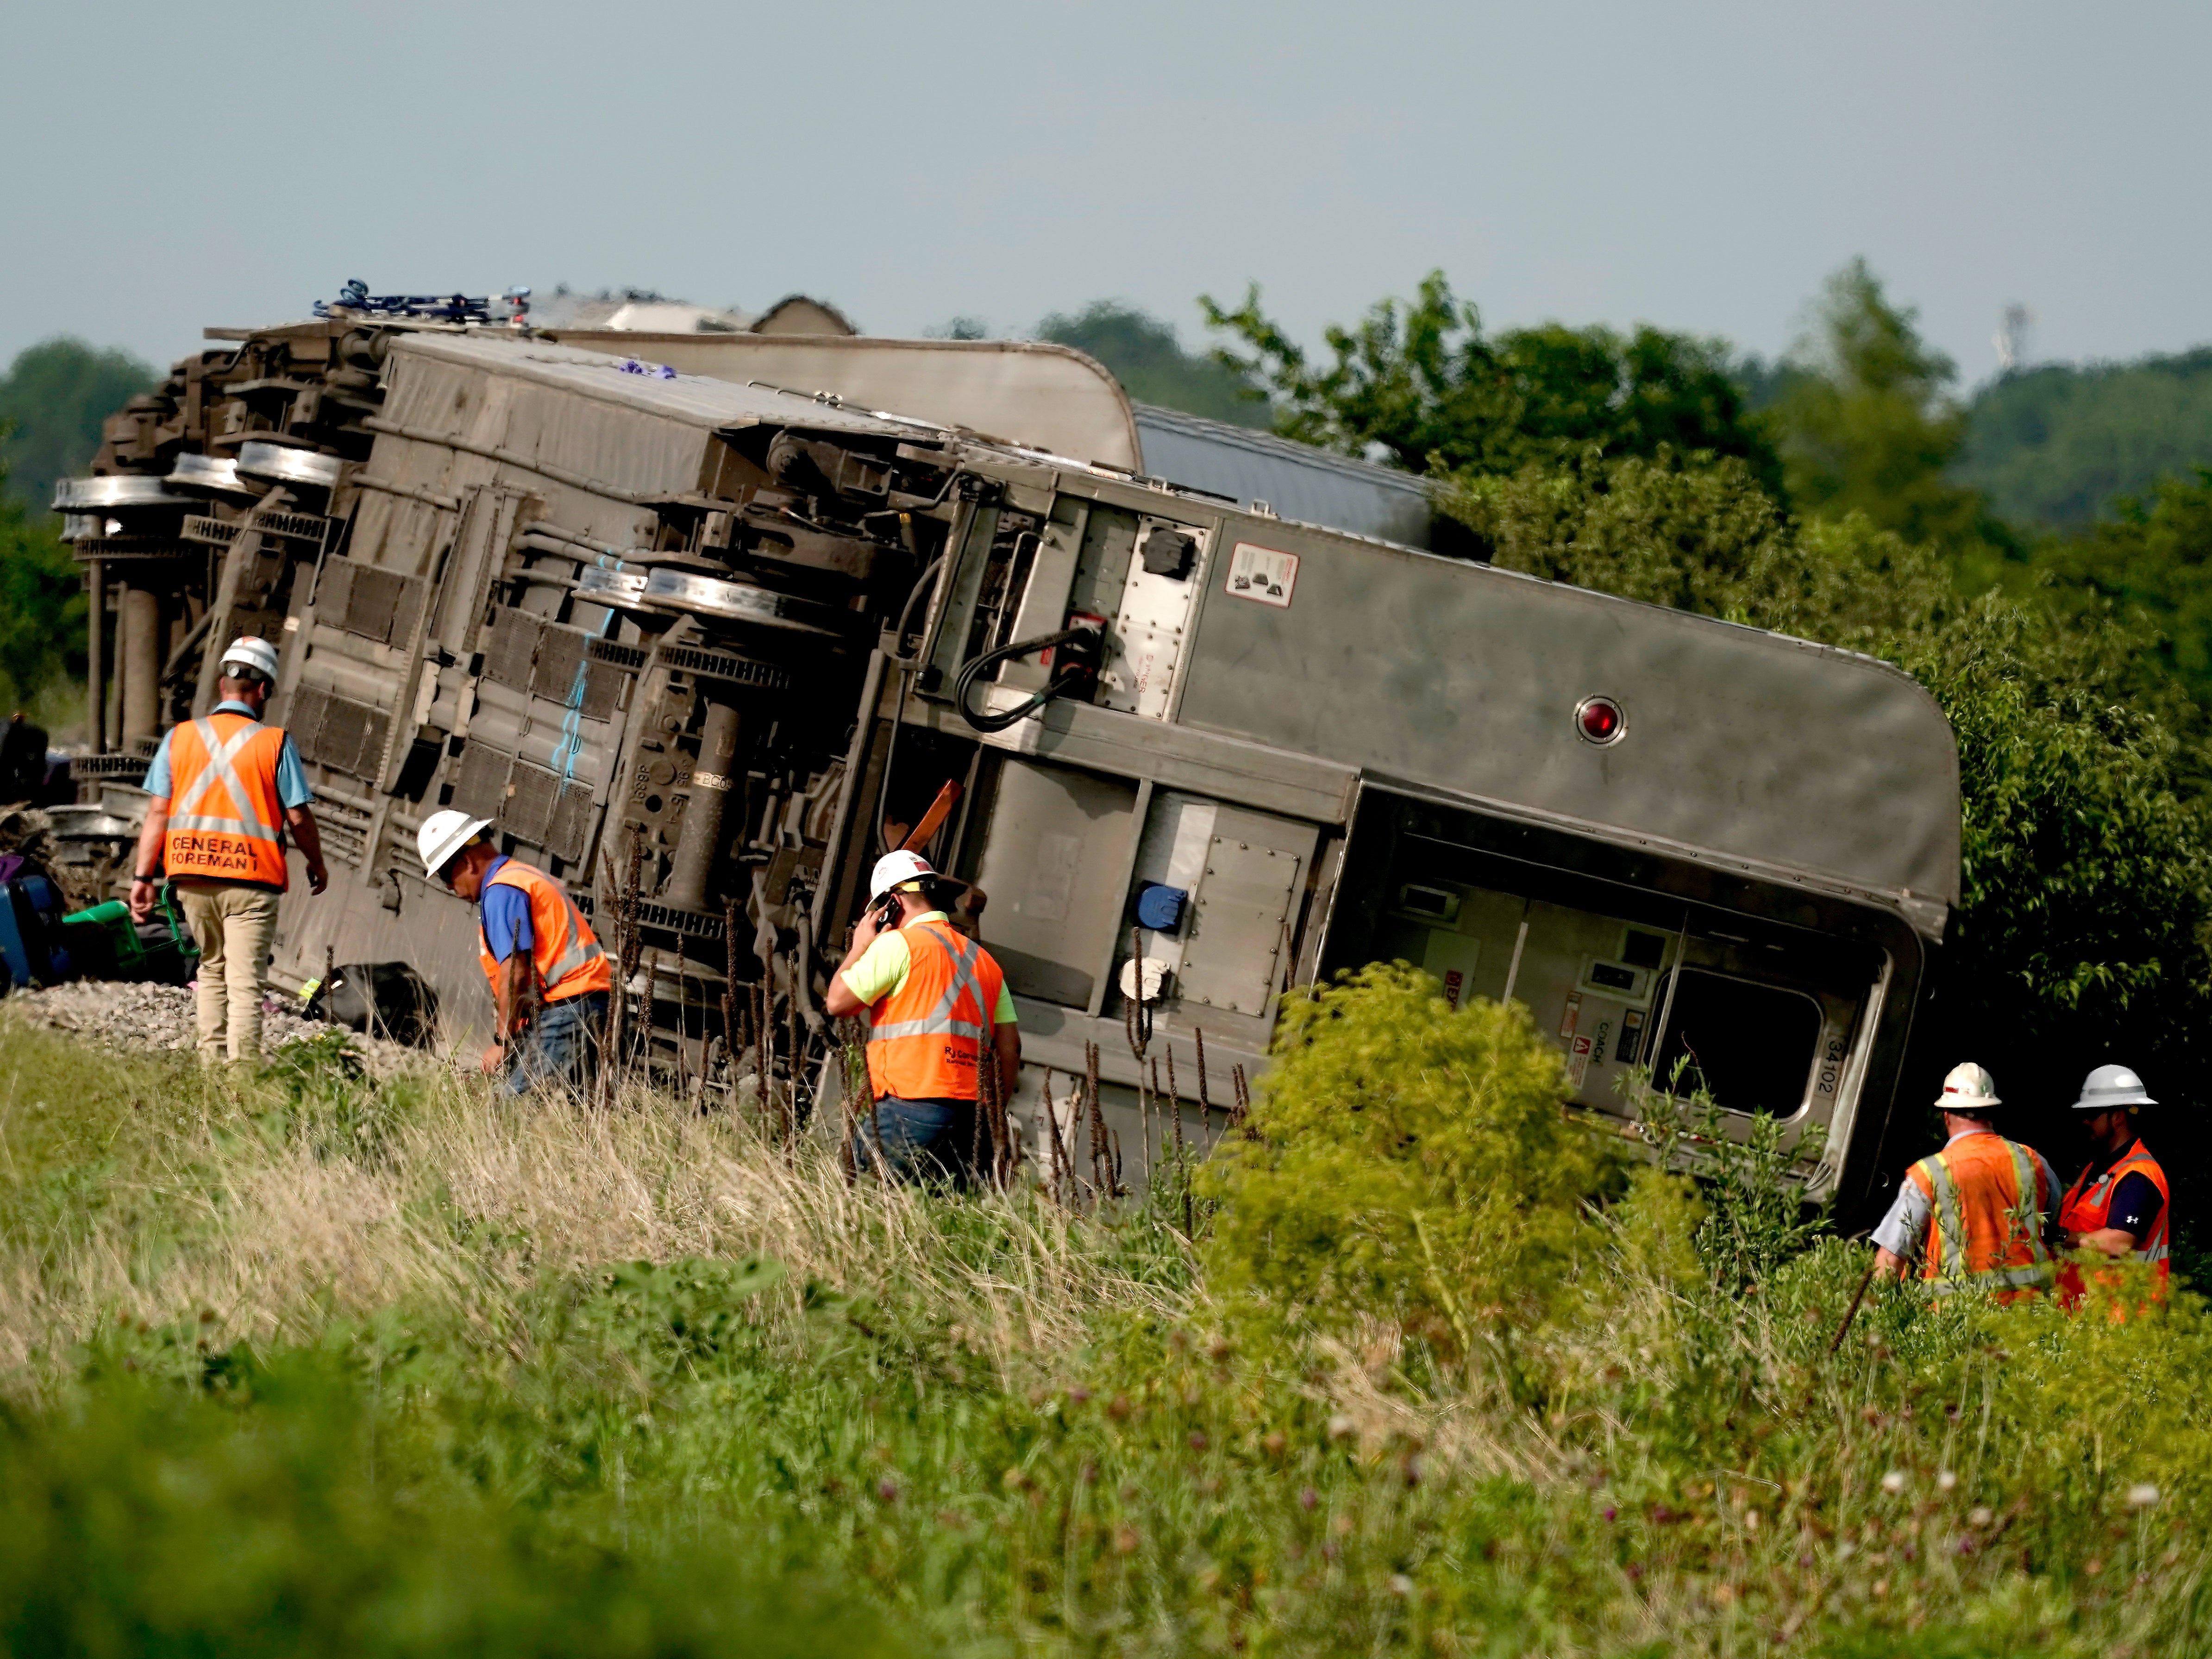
(1124, 1540)
(1980, 1515)
(888, 1491)
(1611, 1513)
(1340, 1427)
(1077, 1396)
(1945, 1479)
(1275, 1443)
(2142, 1494)
(1401, 1585)
(1197, 1440)
(1308, 1498)
(1893, 1482)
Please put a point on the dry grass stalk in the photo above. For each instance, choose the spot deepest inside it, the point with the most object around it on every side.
(275, 1241)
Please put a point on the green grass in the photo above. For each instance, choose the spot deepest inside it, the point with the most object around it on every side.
(307, 1363)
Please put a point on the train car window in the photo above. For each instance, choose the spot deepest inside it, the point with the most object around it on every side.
(1752, 1045)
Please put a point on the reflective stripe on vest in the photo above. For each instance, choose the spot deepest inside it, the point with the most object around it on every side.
(926, 1040)
(225, 818)
(942, 1020)
(560, 955)
(2090, 1211)
(1949, 1258)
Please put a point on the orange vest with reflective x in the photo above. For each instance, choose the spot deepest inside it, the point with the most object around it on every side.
(924, 1038)
(1987, 1197)
(563, 947)
(225, 821)
(2087, 1207)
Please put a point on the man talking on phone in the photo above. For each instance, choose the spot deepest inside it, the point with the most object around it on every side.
(938, 1010)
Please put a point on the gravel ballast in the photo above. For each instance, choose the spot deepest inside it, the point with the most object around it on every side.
(137, 1018)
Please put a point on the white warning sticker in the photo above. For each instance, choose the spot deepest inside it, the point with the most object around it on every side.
(1261, 574)
(1578, 1060)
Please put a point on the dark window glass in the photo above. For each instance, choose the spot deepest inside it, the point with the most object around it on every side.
(1612, 978)
(1752, 1044)
(1645, 949)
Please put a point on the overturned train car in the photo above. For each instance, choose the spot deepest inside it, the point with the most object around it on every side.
(704, 648)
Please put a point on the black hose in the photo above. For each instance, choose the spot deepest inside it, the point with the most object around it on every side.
(920, 585)
(1001, 721)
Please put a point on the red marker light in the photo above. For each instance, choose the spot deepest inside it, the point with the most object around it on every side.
(1599, 720)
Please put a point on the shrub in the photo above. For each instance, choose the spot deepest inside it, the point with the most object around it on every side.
(1402, 1161)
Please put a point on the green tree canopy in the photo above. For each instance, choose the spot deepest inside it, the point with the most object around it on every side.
(2154, 559)
(1869, 423)
(2060, 446)
(55, 396)
(42, 604)
(1149, 360)
(1423, 384)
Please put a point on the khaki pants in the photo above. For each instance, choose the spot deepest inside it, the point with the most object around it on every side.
(234, 925)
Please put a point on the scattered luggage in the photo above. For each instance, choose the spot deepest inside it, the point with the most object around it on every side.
(106, 943)
(31, 940)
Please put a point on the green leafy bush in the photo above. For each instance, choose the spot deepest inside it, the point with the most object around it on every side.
(1402, 1161)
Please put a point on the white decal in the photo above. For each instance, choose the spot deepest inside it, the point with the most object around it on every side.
(1263, 575)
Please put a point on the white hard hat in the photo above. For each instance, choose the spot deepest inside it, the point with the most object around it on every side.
(253, 653)
(894, 868)
(2109, 1086)
(444, 834)
(1968, 1088)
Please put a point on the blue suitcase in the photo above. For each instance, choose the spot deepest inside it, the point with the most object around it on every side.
(30, 932)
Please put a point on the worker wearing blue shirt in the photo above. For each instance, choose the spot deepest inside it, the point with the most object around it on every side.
(225, 789)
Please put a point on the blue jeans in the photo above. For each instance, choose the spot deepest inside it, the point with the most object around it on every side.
(924, 1141)
(561, 1047)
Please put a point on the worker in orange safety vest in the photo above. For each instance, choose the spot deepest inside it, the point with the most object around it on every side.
(1981, 1213)
(549, 978)
(938, 1011)
(223, 791)
(2120, 1205)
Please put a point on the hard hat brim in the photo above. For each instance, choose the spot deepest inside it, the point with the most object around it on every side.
(2107, 1103)
(911, 866)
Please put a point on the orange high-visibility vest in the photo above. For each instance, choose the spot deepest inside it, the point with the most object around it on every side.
(2087, 1206)
(225, 821)
(925, 1037)
(1987, 1197)
(563, 947)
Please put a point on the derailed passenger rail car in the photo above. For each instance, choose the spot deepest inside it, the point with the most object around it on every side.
(705, 649)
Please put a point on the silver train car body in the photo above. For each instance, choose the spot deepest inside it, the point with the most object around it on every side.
(694, 642)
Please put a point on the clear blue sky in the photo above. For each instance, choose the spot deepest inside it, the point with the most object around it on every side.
(1697, 166)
